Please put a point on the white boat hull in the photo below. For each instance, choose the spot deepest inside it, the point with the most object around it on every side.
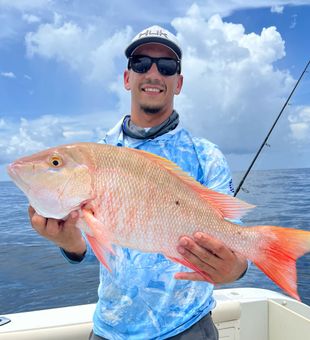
(240, 314)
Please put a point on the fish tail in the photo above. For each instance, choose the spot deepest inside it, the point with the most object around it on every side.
(278, 251)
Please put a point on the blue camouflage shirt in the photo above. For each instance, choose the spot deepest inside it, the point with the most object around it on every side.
(140, 299)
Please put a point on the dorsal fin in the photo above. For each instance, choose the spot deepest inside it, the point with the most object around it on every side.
(226, 206)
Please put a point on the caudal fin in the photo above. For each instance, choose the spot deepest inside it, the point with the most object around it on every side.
(279, 248)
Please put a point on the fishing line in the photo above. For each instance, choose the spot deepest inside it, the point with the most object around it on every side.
(269, 133)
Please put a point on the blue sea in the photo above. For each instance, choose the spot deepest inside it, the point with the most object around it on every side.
(33, 274)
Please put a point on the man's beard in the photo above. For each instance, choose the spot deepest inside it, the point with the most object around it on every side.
(151, 110)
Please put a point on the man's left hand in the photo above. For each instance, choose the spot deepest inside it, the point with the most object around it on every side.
(211, 256)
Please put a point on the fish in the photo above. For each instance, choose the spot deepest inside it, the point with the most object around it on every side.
(135, 199)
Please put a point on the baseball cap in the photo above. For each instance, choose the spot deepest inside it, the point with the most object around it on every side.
(154, 34)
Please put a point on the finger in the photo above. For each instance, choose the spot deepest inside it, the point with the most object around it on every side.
(192, 276)
(69, 226)
(74, 215)
(206, 271)
(53, 227)
(196, 254)
(197, 249)
(72, 219)
(38, 222)
(31, 211)
(214, 246)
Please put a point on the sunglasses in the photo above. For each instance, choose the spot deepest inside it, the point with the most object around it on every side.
(165, 66)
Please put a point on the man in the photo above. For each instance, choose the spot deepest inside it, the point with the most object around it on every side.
(141, 298)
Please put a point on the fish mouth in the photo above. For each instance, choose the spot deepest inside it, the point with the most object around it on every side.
(12, 170)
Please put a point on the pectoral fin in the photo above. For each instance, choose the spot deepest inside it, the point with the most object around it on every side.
(98, 250)
(100, 233)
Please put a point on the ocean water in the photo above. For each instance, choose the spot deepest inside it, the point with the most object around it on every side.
(33, 274)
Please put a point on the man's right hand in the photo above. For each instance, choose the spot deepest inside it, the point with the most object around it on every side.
(64, 234)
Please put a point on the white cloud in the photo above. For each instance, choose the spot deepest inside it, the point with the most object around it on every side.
(66, 42)
(26, 76)
(31, 135)
(8, 75)
(277, 9)
(232, 92)
(16, 15)
(123, 105)
(265, 48)
(103, 57)
(300, 124)
(87, 50)
(30, 18)
(300, 131)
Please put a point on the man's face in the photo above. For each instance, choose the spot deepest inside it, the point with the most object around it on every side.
(152, 92)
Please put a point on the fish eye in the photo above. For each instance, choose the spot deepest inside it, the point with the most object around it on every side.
(56, 161)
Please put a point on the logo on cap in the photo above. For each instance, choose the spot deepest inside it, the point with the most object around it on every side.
(149, 32)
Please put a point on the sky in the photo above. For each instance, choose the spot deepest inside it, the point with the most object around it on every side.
(62, 63)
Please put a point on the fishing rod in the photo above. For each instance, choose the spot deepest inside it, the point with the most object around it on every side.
(270, 131)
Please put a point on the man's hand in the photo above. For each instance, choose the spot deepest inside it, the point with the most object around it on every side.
(64, 234)
(211, 256)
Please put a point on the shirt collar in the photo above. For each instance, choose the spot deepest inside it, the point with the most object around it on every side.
(115, 136)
